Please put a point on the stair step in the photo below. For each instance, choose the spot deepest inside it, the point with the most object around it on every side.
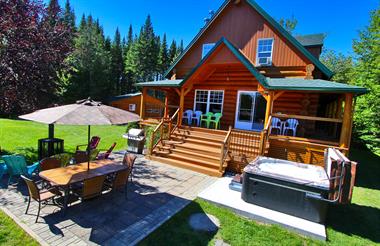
(171, 142)
(209, 150)
(199, 142)
(201, 129)
(200, 136)
(183, 164)
(196, 155)
(194, 160)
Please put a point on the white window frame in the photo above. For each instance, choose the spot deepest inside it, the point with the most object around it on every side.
(257, 52)
(210, 46)
(208, 100)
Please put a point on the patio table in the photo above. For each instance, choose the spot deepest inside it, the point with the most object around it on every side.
(66, 176)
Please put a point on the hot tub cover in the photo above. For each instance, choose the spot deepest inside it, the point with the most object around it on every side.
(295, 172)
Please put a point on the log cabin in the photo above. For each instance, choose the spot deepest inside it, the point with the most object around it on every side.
(154, 107)
(262, 80)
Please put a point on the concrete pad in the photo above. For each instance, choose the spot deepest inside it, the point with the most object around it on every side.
(220, 194)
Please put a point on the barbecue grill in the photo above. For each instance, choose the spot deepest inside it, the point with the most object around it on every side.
(136, 140)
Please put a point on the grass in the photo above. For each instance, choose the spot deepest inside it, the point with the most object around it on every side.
(18, 136)
(11, 234)
(354, 224)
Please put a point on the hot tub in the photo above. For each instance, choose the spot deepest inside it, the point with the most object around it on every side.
(289, 187)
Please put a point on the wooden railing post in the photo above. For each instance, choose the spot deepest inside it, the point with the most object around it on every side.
(142, 102)
(181, 105)
(269, 107)
(345, 133)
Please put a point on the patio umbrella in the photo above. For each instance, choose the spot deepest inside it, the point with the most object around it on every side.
(83, 112)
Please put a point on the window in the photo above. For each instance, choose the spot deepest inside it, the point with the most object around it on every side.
(206, 48)
(208, 101)
(264, 52)
(132, 107)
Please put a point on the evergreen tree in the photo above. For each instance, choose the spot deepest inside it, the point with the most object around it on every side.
(147, 55)
(83, 23)
(289, 24)
(117, 66)
(173, 51)
(180, 48)
(163, 58)
(69, 17)
(90, 64)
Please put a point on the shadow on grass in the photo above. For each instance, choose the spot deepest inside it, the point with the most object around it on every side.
(182, 234)
(355, 220)
(368, 171)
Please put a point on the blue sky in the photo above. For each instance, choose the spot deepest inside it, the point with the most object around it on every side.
(182, 19)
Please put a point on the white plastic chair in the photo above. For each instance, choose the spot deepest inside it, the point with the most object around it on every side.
(276, 124)
(290, 124)
(188, 114)
(197, 116)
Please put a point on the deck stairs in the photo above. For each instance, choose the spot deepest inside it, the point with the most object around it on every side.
(193, 148)
(199, 149)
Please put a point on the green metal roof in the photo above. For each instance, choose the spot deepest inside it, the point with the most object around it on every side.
(273, 22)
(311, 39)
(298, 84)
(161, 83)
(115, 98)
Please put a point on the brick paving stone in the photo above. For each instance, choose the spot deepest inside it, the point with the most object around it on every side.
(158, 191)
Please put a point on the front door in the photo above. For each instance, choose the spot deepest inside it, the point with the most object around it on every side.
(250, 111)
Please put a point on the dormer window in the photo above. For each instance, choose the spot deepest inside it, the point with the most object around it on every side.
(264, 52)
(206, 48)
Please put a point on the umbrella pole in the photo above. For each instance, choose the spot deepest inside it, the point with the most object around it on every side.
(88, 147)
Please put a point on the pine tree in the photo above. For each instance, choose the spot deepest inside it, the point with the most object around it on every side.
(90, 62)
(173, 51)
(163, 59)
(180, 48)
(69, 17)
(117, 65)
(147, 55)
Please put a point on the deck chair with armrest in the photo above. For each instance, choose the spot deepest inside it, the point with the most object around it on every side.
(17, 166)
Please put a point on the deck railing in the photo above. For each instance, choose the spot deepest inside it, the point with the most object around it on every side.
(165, 128)
(225, 150)
(245, 144)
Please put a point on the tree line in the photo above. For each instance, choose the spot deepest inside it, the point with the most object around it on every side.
(45, 58)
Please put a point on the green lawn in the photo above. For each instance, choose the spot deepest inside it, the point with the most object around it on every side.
(354, 224)
(11, 234)
(18, 136)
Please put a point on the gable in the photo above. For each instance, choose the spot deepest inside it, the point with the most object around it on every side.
(243, 25)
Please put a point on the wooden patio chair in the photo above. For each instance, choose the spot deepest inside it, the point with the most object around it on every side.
(42, 196)
(129, 160)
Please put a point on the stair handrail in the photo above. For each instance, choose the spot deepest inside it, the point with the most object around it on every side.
(171, 129)
(225, 150)
(265, 136)
(152, 144)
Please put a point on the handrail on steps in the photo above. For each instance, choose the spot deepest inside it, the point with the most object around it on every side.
(265, 136)
(225, 150)
(160, 127)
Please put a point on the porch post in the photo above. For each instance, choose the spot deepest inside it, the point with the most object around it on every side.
(269, 107)
(142, 102)
(181, 105)
(345, 134)
(166, 114)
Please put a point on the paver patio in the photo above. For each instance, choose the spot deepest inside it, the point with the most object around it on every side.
(158, 192)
